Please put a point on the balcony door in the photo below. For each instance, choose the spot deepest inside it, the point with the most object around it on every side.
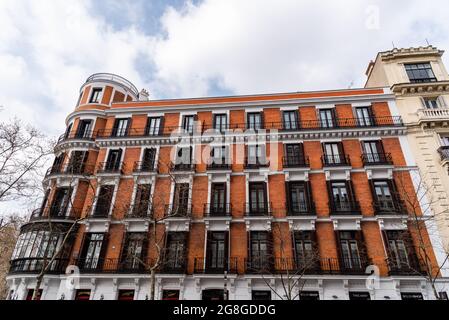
(220, 122)
(188, 123)
(142, 201)
(400, 250)
(77, 162)
(290, 120)
(364, 116)
(350, 250)
(154, 126)
(176, 249)
(114, 160)
(333, 153)
(134, 251)
(254, 120)
(148, 159)
(294, 154)
(121, 127)
(256, 155)
(218, 197)
(341, 198)
(327, 118)
(93, 251)
(181, 199)
(61, 202)
(217, 251)
(306, 256)
(383, 196)
(104, 201)
(258, 198)
(373, 151)
(298, 198)
(259, 250)
(84, 129)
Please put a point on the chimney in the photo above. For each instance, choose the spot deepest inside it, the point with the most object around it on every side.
(144, 95)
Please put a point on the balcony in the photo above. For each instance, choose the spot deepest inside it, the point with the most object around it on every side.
(293, 162)
(221, 165)
(346, 266)
(85, 136)
(433, 115)
(261, 209)
(139, 211)
(344, 207)
(256, 163)
(301, 208)
(144, 167)
(375, 159)
(176, 265)
(186, 167)
(218, 266)
(297, 266)
(177, 211)
(411, 267)
(111, 167)
(444, 153)
(101, 211)
(336, 161)
(390, 207)
(217, 209)
(35, 265)
(70, 170)
(55, 213)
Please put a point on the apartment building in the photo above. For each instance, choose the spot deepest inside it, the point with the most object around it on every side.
(420, 82)
(235, 197)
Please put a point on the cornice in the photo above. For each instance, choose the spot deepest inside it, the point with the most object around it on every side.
(415, 89)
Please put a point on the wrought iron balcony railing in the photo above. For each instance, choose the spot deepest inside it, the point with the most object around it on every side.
(218, 265)
(344, 207)
(395, 207)
(174, 211)
(183, 166)
(88, 136)
(35, 265)
(78, 169)
(301, 208)
(370, 159)
(110, 167)
(139, 210)
(220, 165)
(335, 160)
(256, 162)
(217, 209)
(142, 167)
(55, 212)
(296, 162)
(257, 209)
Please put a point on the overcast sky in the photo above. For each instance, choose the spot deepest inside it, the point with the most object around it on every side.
(194, 48)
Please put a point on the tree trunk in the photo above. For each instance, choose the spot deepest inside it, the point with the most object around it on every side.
(152, 283)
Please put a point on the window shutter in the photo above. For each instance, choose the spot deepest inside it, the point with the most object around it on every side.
(128, 126)
(115, 128)
(83, 247)
(442, 102)
(161, 126)
(423, 103)
(262, 121)
(104, 248)
(288, 197)
(310, 203)
(352, 196)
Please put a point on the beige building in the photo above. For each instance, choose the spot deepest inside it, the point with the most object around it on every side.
(420, 82)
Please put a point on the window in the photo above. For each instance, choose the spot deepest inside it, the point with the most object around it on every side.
(298, 195)
(294, 155)
(411, 296)
(217, 251)
(290, 120)
(218, 197)
(170, 295)
(84, 129)
(142, 201)
(125, 295)
(364, 116)
(104, 201)
(399, 249)
(420, 72)
(79, 98)
(175, 251)
(57, 163)
(183, 158)
(30, 294)
(213, 295)
(349, 249)
(134, 251)
(82, 294)
(431, 103)
(93, 251)
(254, 120)
(373, 151)
(154, 126)
(260, 250)
(327, 118)
(333, 153)
(220, 122)
(359, 296)
(444, 141)
(258, 198)
(256, 155)
(77, 162)
(383, 196)
(263, 295)
(305, 257)
(44, 202)
(340, 196)
(95, 95)
(181, 199)
(188, 123)
(61, 202)
(309, 296)
(219, 155)
(148, 159)
(121, 127)
(68, 131)
(114, 160)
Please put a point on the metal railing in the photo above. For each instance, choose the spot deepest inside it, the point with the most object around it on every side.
(259, 209)
(293, 162)
(140, 210)
(409, 267)
(370, 159)
(177, 211)
(101, 211)
(182, 166)
(256, 162)
(88, 136)
(35, 265)
(217, 209)
(344, 207)
(56, 213)
(111, 167)
(335, 160)
(115, 78)
(70, 169)
(390, 207)
(219, 166)
(215, 266)
(142, 167)
(301, 208)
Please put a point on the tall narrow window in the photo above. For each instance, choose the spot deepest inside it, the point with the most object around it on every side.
(256, 155)
(121, 127)
(175, 251)
(61, 202)
(134, 251)
(258, 198)
(333, 153)
(68, 131)
(220, 122)
(431, 103)
(188, 124)
(305, 251)
(349, 248)
(95, 95)
(327, 118)
(364, 116)
(420, 72)
(298, 198)
(254, 121)
(341, 199)
(57, 163)
(217, 251)
(181, 199)
(148, 159)
(374, 152)
(92, 252)
(400, 252)
(154, 126)
(77, 162)
(142, 201)
(104, 201)
(383, 196)
(290, 120)
(294, 155)
(84, 129)
(260, 250)
(183, 160)
(218, 198)
(113, 162)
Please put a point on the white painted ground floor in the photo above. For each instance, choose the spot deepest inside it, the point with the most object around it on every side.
(197, 287)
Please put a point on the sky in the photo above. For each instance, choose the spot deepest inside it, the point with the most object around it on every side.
(180, 48)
